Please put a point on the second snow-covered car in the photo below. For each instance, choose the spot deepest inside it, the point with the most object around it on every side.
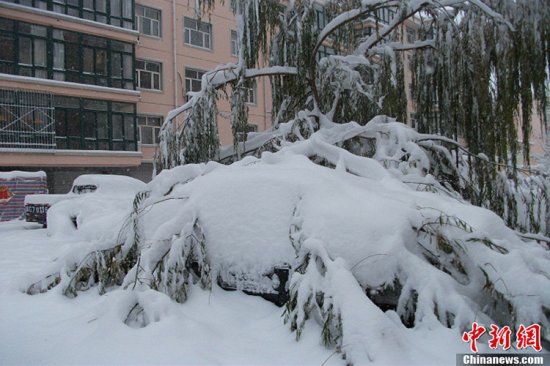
(37, 205)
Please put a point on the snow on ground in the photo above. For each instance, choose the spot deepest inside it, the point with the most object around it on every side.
(211, 328)
(365, 227)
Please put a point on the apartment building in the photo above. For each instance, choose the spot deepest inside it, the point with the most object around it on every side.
(86, 84)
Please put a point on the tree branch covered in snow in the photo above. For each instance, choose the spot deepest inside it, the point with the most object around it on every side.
(370, 220)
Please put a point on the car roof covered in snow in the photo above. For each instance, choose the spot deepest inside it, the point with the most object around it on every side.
(109, 183)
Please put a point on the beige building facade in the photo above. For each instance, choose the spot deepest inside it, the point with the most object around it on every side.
(86, 84)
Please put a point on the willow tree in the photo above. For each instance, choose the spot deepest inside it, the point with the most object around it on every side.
(434, 269)
(482, 82)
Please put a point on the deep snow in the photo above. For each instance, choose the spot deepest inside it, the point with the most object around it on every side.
(211, 328)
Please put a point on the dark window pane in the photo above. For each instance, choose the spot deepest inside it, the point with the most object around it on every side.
(90, 144)
(154, 121)
(25, 51)
(88, 119)
(74, 144)
(101, 62)
(156, 29)
(140, 9)
(58, 56)
(88, 15)
(146, 135)
(102, 126)
(88, 4)
(117, 126)
(116, 64)
(68, 102)
(101, 6)
(72, 57)
(60, 128)
(128, 69)
(73, 12)
(190, 23)
(156, 81)
(40, 52)
(7, 42)
(153, 66)
(145, 80)
(96, 105)
(61, 143)
(88, 58)
(73, 123)
(152, 13)
(127, 9)
(129, 131)
(146, 26)
(6, 24)
(115, 8)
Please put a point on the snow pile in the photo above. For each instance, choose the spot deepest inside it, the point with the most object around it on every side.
(368, 255)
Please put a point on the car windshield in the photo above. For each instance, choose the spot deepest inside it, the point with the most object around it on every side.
(88, 188)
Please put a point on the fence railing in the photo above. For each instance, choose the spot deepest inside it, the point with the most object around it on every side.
(27, 120)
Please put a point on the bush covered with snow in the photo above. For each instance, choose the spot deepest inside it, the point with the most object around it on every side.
(370, 251)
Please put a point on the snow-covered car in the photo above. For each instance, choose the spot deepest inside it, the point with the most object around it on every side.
(38, 205)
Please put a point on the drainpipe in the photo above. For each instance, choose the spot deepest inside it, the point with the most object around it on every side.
(265, 102)
(174, 53)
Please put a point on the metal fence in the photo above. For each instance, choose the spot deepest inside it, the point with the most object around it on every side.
(26, 120)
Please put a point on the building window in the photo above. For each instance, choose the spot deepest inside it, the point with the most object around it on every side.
(384, 15)
(324, 51)
(115, 12)
(198, 33)
(148, 75)
(32, 50)
(149, 129)
(234, 43)
(89, 124)
(148, 21)
(74, 57)
(411, 35)
(320, 16)
(193, 80)
(251, 93)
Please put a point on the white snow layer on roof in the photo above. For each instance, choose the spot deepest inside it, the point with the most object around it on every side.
(14, 174)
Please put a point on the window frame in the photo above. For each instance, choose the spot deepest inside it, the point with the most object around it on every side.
(124, 19)
(140, 71)
(251, 93)
(187, 33)
(139, 18)
(199, 72)
(234, 43)
(67, 62)
(155, 129)
(73, 121)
